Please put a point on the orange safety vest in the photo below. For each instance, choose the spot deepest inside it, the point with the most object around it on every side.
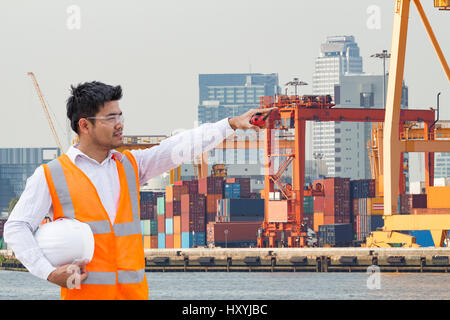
(117, 269)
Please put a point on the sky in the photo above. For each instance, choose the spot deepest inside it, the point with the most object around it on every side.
(156, 49)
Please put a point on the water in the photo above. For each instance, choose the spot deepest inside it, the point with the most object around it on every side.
(254, 286)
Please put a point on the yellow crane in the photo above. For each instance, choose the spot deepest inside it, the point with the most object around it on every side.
(393, 145)
(47, 114)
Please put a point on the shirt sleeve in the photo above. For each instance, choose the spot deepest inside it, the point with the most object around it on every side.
(34, 204)
(181, 148)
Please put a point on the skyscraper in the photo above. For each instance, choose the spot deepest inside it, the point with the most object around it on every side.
(228, 95)
(16, 165)
(339, 73)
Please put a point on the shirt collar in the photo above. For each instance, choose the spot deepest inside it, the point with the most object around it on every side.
(73, 153)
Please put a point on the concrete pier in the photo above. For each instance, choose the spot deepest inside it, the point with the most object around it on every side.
(285, 260)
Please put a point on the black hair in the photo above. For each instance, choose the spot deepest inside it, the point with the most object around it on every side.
(87, 98)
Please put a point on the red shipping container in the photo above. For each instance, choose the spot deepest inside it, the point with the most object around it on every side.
(210, 185)
(169, 241)
(161, 224)
(193, 203)
(211, 202)
(319, 204)
(237, 231)
(173, 192)
(169, 209)
(337, 188)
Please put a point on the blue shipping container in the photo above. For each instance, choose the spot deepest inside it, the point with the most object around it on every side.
(169, 226)
(161, 240)
(232, 191)
(189, 240)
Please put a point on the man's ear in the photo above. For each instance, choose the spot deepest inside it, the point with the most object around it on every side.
(83, 126)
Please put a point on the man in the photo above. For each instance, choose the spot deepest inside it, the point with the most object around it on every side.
(97, 185)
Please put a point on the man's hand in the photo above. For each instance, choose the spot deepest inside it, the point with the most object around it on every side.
(65, 275)
(243, 121)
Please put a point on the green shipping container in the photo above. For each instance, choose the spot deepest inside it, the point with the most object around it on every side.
(149, 227)
(308, 204)
(161, 206)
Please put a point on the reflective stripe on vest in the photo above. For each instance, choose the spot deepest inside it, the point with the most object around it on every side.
(120, 229)
(109, 278)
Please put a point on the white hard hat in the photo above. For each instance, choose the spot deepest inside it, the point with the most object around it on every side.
(65, 241)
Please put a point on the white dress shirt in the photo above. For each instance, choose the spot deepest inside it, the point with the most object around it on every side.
(35, 202)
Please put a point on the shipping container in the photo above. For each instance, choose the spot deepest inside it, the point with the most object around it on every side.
(147, 210)
(230, 209)
(193, 203)
(169, 241)
(319, 204)
(161, 240)
(149, 227)
(211, 202)
(195, 221)
(192, 240)
(410, 201)
(173, 209)
(177, 240)
(191, 184)
(173, 192)
(150, 242)
(210, 185)
(318, 220)
(231, 190)
(337, 188)
(335, 235)
(232, 231)
(169, 226)
(177, 225)
(161, 206)
(438, 197)
(365, 224)
(161, 224)
(278, 211)
(363, 188)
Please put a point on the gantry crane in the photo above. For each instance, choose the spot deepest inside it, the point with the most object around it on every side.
(47, 114)
(394, 146)
(292, 113)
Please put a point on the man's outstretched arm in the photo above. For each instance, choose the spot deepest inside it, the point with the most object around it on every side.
(185, 146)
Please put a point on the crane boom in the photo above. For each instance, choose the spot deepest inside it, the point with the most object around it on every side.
(44, 106)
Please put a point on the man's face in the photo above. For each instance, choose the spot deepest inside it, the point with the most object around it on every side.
(108, 132)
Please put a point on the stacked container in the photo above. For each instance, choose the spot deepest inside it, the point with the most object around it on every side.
(244, 186)
(364, 188)
(231, 190)
(149, 220)
(232, 234)
(161, 218)
(335, 235)
(407, 202)
(334, 206)
(368, 216)
(233, 210)
(210, 185)
(193, 220)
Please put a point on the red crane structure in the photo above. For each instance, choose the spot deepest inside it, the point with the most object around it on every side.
(292, 113)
